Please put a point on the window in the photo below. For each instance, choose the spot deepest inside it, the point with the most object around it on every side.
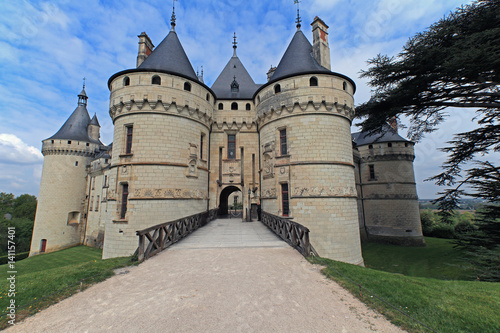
(52, 141)
(97, 204)
(231, 146)
(313, 82)
(126, 81)
(123, 210)
(92, 182)
(87, 144)
(234, 106)
(76, 163)
(128, 145)
(187, 86)
(208, 97)
(248, 106)
(344, 85)
(156, 80)
(284, 199)
(69, 142)
(221, 106)
(370, 146)
(91, 203)
(43, 245)
(277, 89)
(406, 144)
(105, 181)
(283, 147)
(389, 144)
(372, 171)
(201, 145)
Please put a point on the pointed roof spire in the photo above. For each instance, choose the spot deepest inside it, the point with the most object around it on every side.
(82, 96)
(172, 19)
(297, 2)
(94, 120)
(234, 45)
(75, 128)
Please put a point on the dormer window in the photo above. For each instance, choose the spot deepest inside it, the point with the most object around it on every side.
(235, 87)
(156, 80)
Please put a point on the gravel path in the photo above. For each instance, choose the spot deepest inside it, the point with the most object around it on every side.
(214, 289)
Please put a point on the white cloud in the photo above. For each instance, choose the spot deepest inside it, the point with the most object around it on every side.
(14, 151)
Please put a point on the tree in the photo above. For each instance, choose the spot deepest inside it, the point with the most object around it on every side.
(25, 207)
(454, 63)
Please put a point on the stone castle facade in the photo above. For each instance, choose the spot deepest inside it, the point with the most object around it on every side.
(181, 148)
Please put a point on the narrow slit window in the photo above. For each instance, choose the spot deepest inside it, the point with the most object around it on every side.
(283, 145)
(284, 199)
(372, 171)
(202, 138)
(231, 146)
(123, 210)
(128, 145)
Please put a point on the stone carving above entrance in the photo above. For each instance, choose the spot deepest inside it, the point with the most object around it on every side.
(304, 192)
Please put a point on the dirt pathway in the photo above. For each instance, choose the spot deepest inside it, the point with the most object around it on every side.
(183, 289)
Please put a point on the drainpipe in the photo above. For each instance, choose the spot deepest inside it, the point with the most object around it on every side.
(209, 168)
(362, 198)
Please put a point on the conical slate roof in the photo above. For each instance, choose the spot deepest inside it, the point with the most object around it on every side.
(170, 56)
(388, 134)
(94, 121)
(298, 58)
(234, 71)
(76, 127)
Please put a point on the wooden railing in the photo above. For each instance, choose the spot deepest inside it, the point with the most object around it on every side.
(157, 238)
(291, 232)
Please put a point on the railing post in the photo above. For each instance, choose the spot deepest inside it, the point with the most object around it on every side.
(140, 256)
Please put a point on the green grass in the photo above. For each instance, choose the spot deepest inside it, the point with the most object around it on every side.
(444, 306)
(45, 279)
(437, 260)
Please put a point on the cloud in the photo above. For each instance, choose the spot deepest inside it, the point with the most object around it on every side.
(14, 151)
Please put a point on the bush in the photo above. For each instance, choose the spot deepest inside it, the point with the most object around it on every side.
(443, 230)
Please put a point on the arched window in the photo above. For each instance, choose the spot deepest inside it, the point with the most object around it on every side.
(156, 80)
(208, 97)
(277, 89)
(234, 106)
(370, 147)
(313, 82)
(344, 85)
(126, 81)
(221, 106)
(389, 144)
(187, 86)
(248, 107)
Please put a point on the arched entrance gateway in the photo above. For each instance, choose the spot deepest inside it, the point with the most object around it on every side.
(224, 199)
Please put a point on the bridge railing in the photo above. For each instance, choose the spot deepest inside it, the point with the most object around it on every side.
(157, 238)
(291, 232)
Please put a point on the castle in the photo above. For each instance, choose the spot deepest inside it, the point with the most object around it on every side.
(181, 148)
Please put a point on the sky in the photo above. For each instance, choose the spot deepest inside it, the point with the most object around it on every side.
(48, 47)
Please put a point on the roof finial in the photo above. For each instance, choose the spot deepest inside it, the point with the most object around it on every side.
(298, 14)
(172, 20)
(82, 96)
(234, 45)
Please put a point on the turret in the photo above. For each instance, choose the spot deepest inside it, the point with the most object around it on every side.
(60, 215)
(94, 128)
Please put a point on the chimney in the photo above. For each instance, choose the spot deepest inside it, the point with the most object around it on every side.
(145, 48)
(270, 73)
(393, 122)
(321, 49)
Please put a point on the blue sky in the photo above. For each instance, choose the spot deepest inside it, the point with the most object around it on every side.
(47, 47)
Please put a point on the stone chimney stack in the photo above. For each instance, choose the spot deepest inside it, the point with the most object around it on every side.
(270, 73)
(393, 122)
(321, 49)
(145, 48)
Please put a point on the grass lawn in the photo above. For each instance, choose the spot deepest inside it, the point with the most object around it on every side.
(45, 279)
(437, 260)
(444, 306)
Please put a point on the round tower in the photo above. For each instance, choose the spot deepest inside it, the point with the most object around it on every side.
(387, 189)
(304, 114)
(60, 210)
(159, 169)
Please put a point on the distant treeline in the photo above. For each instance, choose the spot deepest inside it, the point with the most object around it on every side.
(465, 204)
(18, 212)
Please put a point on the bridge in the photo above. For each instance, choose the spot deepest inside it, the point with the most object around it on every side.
(227, 276)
